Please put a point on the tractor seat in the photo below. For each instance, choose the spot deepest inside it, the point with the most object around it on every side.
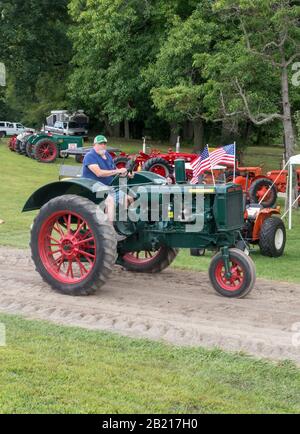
(70, 172)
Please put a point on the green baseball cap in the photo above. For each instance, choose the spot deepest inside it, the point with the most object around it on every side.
(100, 139)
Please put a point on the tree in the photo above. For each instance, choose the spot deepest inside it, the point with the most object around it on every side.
(177, 83)
(114, 41)
(269, 44)
(33, 46)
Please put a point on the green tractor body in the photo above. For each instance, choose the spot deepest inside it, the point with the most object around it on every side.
(74, 247)
(46, 148)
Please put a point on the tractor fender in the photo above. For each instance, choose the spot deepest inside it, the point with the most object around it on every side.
(94, 191)
(262, 216)
(260, 177)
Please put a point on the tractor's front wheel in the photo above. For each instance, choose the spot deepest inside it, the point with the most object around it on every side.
(148, 261)
(241, 278)
(45, 151)
(73, 246)
(272, 237)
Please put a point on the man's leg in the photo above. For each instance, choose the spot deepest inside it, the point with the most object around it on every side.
(110, 208)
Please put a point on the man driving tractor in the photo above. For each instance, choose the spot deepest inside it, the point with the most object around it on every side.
(99, 165)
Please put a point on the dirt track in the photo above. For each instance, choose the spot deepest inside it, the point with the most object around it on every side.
(176, 306)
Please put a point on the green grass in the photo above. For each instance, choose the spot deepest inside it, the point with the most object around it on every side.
(53, 369)
(21, 176)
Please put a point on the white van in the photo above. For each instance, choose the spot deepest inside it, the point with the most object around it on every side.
(11, 128)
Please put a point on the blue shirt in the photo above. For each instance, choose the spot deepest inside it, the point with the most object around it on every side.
(105, 164)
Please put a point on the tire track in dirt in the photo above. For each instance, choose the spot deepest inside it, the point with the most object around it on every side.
(176, 306)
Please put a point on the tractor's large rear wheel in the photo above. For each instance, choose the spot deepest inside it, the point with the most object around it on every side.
(158, 165)
(263, 188)
(148, 261)
(45, 151)
(29, 149)
(242, 274)
(73, 246)
(120, 162)
(272, 237)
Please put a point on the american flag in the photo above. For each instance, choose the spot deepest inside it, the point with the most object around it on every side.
(200, 165)
(224, 155)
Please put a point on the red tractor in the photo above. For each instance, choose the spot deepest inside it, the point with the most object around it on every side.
(281, 181)
(12, 143)
(256, 186)
(156, 161)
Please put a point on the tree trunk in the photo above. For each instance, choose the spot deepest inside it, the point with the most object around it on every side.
(287, 117)
(198, 134)
(108, 127)
(289, 136)
(173, 133)
(116, 130)
(126, 129)
(188, 131)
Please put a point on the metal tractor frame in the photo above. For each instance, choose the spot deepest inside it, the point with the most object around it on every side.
(74, 247)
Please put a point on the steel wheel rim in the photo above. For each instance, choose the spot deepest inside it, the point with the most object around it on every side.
(262, 191)
(278, 240)
(67, 247)
(121, 164)
(46, 151)
(141, 257)
(235, 282)
(160, 169)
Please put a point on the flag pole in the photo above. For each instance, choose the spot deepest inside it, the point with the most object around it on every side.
(234, 167)
(211, 169)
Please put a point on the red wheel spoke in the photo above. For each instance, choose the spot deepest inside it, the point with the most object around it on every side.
(70, 269)
(52, 252)
(86, 240)
(69, 223)
(58, 262)
(58, 229)
(79, 228)
(53, 239)
(89, 255)
(82, 268)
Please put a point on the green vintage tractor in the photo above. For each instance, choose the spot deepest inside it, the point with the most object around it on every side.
(46, 148)
(74, 247)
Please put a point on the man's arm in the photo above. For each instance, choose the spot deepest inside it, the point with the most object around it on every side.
(101, 173)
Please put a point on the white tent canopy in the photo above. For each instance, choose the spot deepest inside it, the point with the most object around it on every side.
(293, 161)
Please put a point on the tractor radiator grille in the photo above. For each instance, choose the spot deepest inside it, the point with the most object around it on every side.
(228, 208)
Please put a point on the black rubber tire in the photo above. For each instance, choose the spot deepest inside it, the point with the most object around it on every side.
(249, 271)
(161, 261)
(79, 159)
(35, 150)
(2, 134)
(267, 237)
(256, 186)
(23, 147)
(197, 252)
(103, 232)
(122, 160)
(18, 146)
(132, 165)
(158, 161)
(29, 150)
